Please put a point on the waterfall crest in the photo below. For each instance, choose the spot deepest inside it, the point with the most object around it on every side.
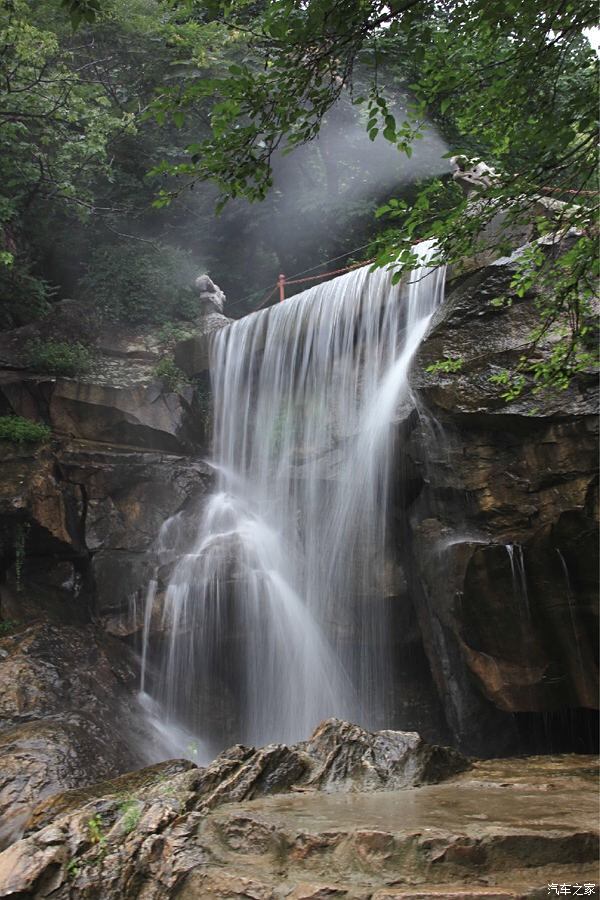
(278, 616)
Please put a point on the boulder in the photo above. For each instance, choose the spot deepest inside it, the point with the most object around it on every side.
(192, 355)
(140, 415)
(348, 758)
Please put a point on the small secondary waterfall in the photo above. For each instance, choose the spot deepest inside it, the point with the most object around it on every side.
(519, 576)
(278, 616)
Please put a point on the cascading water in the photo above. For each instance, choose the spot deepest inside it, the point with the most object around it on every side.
(519, 576)
(278, 616)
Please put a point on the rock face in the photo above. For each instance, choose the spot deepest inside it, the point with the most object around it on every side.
(351, 759)
(504, 530)
(78, 527)
(139, 415)
(494, 587)
(64, 695)
(87, 515)
(255, 824)
(79, 517)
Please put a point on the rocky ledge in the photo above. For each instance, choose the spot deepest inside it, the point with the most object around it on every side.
(346, 814)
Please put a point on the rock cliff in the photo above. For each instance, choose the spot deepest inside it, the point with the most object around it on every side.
(493, 570)
(504, 529)
(79, 516)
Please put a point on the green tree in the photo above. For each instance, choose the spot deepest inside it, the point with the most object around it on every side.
(55, 126)
(514, 82)
(227, 89)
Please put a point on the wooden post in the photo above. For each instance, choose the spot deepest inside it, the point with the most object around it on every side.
(281, 283)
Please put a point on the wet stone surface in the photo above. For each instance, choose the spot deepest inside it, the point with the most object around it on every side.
(251, 825)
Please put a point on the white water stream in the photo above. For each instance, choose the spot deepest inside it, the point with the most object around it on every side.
(279, 615)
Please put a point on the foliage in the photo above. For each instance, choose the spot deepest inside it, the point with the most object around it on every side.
(130, 810)
(95, 831)
(172, 376)
(23, 431)
(465, 54)
(565, 287)
(74, 151)
(134, 61)
(140, 283)
(513, 82)
(445, 365)
(7, 626)
(56, 123)
(23, 295)
(59, 357)
(173, 332)
(219, 91)
(73, 867)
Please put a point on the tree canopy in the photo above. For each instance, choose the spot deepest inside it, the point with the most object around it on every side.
(513, 82)
(226, 89)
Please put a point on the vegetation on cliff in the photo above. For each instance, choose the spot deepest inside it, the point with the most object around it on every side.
(18, 430)
(120, 137)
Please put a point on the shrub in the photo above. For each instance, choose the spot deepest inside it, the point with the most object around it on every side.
(23, 431)
(173, 332)
(59, 357)
(131, 812)
(7, 626)
(446, 365)
(171, 374)
(23, 297)
(139, 284)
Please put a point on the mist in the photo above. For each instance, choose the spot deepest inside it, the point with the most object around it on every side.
(321, 205)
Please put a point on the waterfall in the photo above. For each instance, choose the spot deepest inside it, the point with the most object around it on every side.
(519, 576)
(279, 616)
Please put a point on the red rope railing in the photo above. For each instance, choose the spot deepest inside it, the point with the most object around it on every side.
(282, 281)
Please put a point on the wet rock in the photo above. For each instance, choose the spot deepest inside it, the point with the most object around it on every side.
(140, 414)
(468, 837)
(64, 695)
(48, 668)
(192, 355)
(352, 759)
(87, 516)
(135, 344)
(42, 757)
(339, 757)
(154, 776)
(504, 570)
(31, 491)
(243, 773)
